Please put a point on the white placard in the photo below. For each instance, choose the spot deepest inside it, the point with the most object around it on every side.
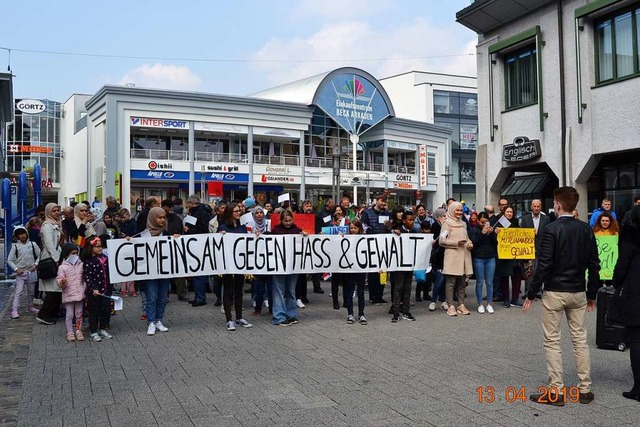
(246, 218)
(231, 253)
(284, 197)
(326, 219)
(383, 218)
(190, 220)
(504, 222)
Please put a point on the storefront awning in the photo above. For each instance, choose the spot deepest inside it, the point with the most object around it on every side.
(529, 184)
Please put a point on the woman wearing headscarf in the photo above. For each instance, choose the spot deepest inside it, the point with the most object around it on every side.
(157, 290)
(51, 237)
(83, 222)
(457, 257)
(625, 280)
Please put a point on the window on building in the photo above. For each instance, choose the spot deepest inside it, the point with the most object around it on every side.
(431, 164)
(617, 45)
(521, 77)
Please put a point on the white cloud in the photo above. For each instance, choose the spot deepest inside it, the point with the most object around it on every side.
(160, 76)
(416, 45)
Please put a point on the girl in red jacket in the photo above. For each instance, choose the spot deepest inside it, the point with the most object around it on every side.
(70, 279)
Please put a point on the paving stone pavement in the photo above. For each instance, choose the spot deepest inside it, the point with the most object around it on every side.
(322, 371)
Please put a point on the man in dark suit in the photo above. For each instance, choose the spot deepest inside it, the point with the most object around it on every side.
(538, 221)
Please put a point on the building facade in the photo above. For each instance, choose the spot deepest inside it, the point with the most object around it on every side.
(557, 90)
(449, 101)
(340, 130)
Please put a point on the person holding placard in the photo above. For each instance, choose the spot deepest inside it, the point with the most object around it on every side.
(606, 225)
(233, 284)
(509, 269)
(457, 257)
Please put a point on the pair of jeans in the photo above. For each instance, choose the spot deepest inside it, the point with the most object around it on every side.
(232, 292)
(375, 288)
(284, 298)
(263, 289)
(351, 281)
(438, 293)
(484, 269)
(199, 287)
(157, 296)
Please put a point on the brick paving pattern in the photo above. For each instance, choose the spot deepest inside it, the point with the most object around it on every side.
(319, 372)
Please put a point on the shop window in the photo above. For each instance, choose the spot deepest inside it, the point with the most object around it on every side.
(617, 52)
(446, 102)
(468, 104)
(521, 77)
(610, 176)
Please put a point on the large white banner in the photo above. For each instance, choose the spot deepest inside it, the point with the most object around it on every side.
(204, 254)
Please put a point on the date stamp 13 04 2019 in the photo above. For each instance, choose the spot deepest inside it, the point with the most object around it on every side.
(512, 394)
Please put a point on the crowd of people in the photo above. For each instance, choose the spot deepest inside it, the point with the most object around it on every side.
(465, 245)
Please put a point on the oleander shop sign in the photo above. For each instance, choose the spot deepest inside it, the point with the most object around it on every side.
(353, 101)
(205, 254)
(521, 150)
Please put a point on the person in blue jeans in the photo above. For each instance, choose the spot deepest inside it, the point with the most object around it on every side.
(484, 254)
(285, 309)
(437, 263)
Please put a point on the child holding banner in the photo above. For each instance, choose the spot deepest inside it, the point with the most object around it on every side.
(351, 281)
(233, 284)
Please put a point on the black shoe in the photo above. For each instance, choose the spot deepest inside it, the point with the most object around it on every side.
(418, 298)
(318, 291)
(391, 310)
(45, 321)
(548, 399)
(285, 323)
(183, 299)
(198, 303)
(304, 300)
(628, 395)
(408, 316)
(395, 318)
(516, 304)
(293, 321)
(336, 305)
(382, 301)
(506, 304)
(218, 303)
(586, 398)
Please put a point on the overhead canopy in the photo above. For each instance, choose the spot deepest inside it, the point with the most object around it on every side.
(529, 184)
(485, 15)
(6, 97)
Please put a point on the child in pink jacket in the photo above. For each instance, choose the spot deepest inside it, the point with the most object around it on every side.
(70, 279)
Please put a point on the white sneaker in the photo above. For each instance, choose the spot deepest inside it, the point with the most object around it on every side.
(161, 327)
(481, 309)
(231, 325)
(432, 306)
(444, 306)
(222, 309)
(243, 323)
(300, 303)
(490, 309)
(105, 334)
(253, 304)
(266, 304)
(151, 330)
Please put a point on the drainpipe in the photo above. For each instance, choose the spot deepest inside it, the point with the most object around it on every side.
(563, 113)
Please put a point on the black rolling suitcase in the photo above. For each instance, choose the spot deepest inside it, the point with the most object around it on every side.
(609, 334)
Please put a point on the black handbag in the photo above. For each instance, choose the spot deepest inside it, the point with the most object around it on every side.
(47, 269)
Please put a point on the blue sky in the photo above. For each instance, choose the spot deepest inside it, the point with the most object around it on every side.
(250, 37)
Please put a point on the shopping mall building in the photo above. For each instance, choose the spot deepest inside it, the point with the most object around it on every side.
(558, 90)
(134, 143)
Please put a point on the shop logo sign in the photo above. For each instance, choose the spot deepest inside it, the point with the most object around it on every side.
(521, 150)
(153, 165)
(31, 106)
(354, 87)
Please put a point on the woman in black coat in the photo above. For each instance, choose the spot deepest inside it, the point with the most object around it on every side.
(626, 276)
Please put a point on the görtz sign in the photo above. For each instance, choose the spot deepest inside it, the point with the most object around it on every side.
(30, 106)
(159, 123)
(521, 150)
